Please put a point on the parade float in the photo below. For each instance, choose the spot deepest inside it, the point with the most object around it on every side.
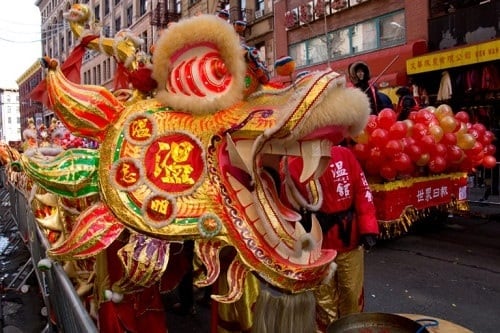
(418, 168)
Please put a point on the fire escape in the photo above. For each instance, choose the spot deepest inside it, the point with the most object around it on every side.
(162, 15)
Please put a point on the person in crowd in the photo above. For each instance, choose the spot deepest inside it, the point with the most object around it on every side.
(359, 75)
(348, 220)
(406, 103)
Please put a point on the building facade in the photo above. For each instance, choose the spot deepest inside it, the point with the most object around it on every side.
(145, 18)
(30, 109)
(391, 36)
(383, 33)
(10, 129)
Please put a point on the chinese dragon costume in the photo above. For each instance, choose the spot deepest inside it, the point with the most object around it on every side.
(195, 160)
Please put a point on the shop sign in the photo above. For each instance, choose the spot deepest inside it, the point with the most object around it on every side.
(468, 55)
(391, 199)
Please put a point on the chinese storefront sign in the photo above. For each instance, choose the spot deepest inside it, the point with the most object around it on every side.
(468, 55)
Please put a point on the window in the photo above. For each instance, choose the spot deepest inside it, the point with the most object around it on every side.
(339, 43)
(118, 24)
(129, 15)
(61, 44)
(316, 50)
(144, 37)
(259, 5)
(364, 36)
(380, 32)
(392, 29)
(97, 12)
(98, 79)
(143, 7)
(106, 7)
(299, 54)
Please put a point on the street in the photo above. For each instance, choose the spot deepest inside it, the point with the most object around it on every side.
(450, 272)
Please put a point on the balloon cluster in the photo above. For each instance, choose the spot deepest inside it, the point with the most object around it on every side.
(433, 140)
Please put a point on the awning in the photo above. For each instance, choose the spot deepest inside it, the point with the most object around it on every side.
(390, 80)
(460, 56)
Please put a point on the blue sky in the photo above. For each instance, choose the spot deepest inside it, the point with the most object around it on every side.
(20, 45)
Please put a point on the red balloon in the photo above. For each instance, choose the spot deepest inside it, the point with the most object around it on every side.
(475, 133)
(462, 116)
(455, 154)
(414, 152)
(427, 143)
(419, 130)
(392, 147)
(402, 162)
(386, 118)
(490, 149)
(379, 137)
(423, 159)
(372, 124)
(376, 156)
(476, 149)
(489, 161)
(388, 172)
(449, 139)
(480, 128)
(487, 138)
(408, 141)
(371, 168)
(398, 130)
(424, 116)
(477, 159)
(361, 151)
(437, 164)
(439, 149)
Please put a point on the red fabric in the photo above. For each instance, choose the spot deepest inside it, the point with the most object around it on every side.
(121, 77)
(71, 69)
(141, 79)
(138, 312)
(344, 186)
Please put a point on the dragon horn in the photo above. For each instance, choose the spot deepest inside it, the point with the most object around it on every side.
(86, 110)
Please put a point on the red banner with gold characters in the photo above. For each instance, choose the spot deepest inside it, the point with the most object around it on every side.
(392, 198)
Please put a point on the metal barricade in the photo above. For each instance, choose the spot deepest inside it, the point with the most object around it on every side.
(59, 295)
(484, 186)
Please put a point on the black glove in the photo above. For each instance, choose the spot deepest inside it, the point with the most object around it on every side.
(368, 241)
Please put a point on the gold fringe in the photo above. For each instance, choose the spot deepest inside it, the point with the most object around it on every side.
(401, 226)
(404, 183)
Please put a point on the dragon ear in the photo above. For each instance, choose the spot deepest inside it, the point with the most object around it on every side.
(199, 65)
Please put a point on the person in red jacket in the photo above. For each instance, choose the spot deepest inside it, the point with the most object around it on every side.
(342, 202)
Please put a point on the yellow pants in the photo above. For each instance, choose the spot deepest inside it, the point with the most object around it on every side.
(344, 293)
(237, 316)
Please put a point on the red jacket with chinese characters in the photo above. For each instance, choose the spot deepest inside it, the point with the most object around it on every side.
(343, 186)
